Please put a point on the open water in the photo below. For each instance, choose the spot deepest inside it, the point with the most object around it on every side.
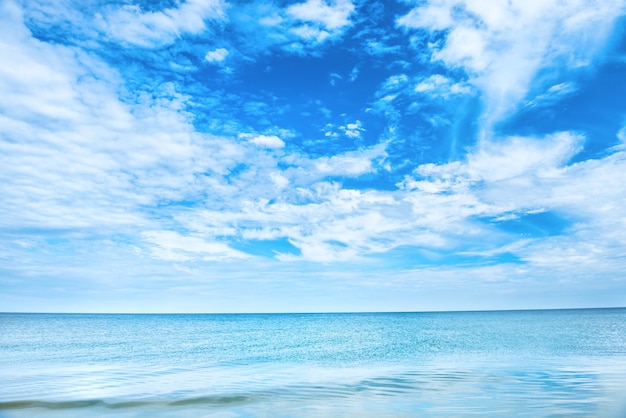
(556, 363)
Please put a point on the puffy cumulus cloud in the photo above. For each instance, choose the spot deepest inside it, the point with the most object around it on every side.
(329, 17)
(217, 55)
(267, 141)
(351, 130)
(129, 24)
(503, 45)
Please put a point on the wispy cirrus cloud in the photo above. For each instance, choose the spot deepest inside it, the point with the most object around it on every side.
(553, 94)
(503, 46)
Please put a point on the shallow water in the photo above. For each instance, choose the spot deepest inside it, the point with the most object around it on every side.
(562, 363)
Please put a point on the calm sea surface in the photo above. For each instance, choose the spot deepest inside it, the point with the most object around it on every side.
(562, 363)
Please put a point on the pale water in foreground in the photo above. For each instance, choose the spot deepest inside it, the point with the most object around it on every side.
(561, 363)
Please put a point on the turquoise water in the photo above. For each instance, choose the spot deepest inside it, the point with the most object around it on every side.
(561, 363)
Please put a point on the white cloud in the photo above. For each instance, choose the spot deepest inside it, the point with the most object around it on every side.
(268, 141)
(310, 33)
(169, 245)
(217, 55)
(380, 48)
(327, 224)
(621, 135)
(519, 156)
(130, 24)
(527, 176)
(280, 180)
(330, 17)
(316, 21)
(516, 174)
(467, 47)
(435, 16)
(553, 94)
(353, 130)
(354, 74)
(75, 156)
(388, 92)
(343, 165)
(503, 45)
(563, 88)
(272, 20)
(431, 83)
(395, 82)
(351, 163)
(524, 175)
(80, 156)
(297, 29)
(437, 85)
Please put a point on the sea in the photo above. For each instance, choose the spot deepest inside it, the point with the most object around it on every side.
(541, 363)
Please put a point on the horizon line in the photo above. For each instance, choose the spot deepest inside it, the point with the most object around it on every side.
(315, 312)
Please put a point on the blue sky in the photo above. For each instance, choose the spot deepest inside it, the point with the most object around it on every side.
(213, 156)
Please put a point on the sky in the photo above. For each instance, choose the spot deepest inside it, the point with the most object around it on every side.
(316, 156)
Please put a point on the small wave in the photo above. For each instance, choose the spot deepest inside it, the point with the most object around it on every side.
(571, 393)
(50, 405)
(226, 400)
